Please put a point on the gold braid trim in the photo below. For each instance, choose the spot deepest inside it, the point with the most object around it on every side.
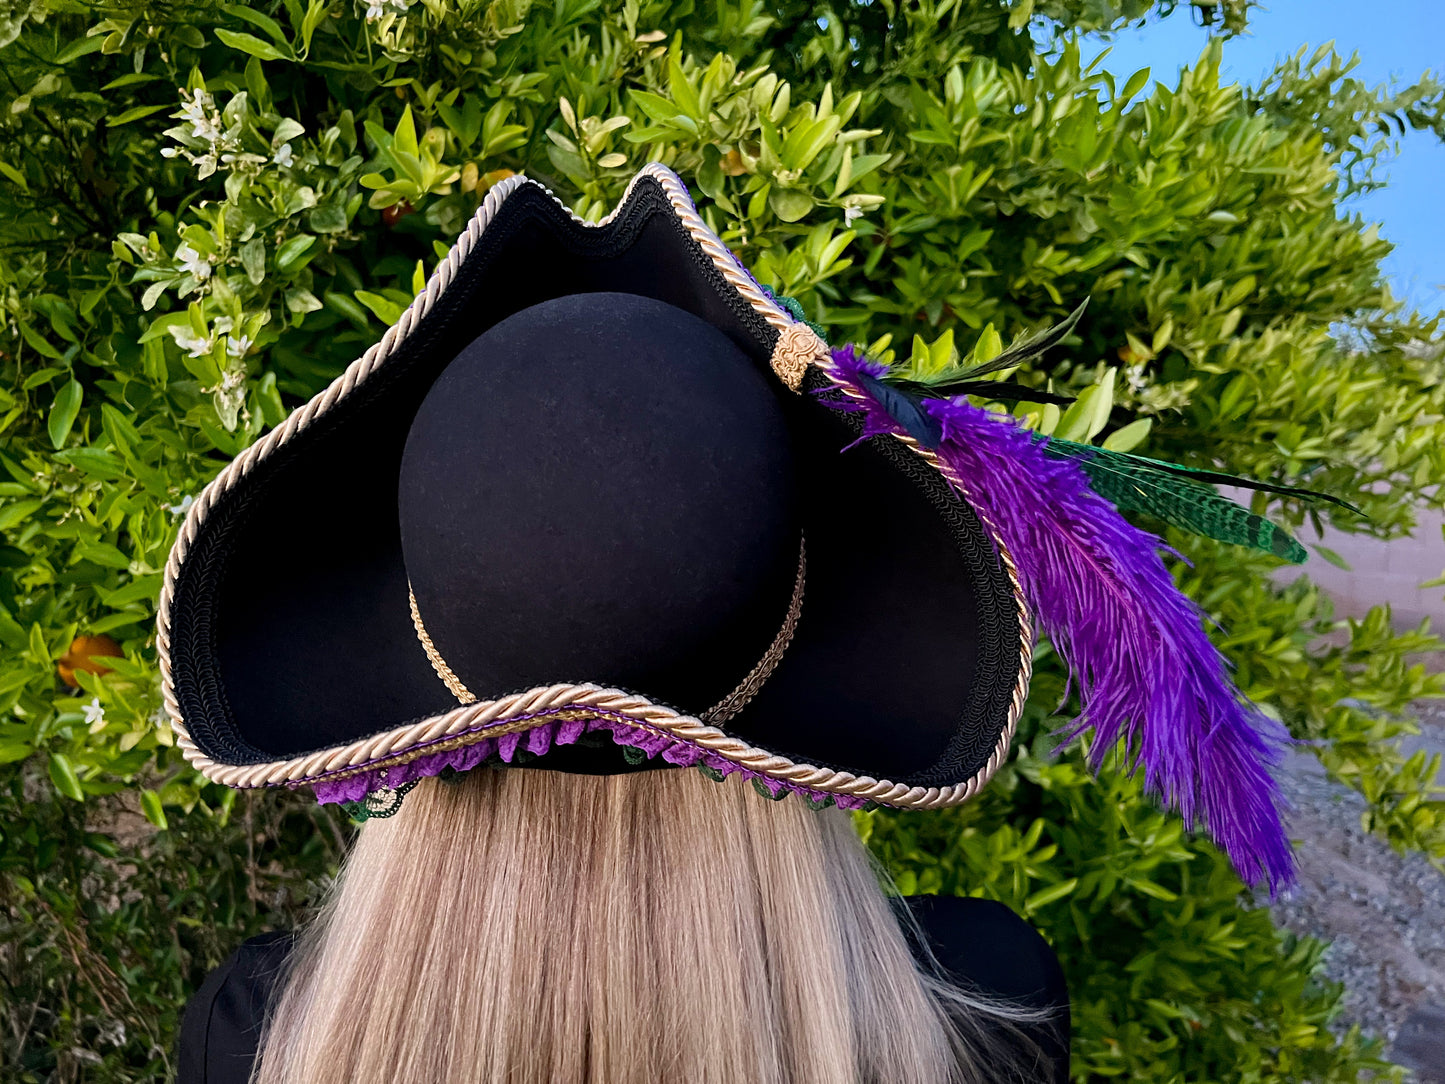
(736, 700)
(439, 664)
(719, 713)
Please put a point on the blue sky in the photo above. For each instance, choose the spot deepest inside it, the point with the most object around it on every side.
(1394, 38)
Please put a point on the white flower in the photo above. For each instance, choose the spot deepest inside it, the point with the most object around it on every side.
(283, 156)
(94, 716)
(196, 106)
(193, 262)
(197, 346)
(377, 9)
(236, 348)
(169, 152)
(851, 215)
(183, 507)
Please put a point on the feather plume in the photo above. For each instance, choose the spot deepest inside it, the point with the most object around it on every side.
(1134, 484)
(1150, 680)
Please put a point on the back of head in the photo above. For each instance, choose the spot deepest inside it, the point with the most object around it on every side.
(536, 926)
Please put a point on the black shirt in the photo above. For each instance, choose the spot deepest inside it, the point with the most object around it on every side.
(979, 943)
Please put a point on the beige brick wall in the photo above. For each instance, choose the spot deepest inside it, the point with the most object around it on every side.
(1383, 572)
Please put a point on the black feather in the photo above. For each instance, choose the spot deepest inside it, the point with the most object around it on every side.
(1031, 348)
(988, 389)
(905, 409)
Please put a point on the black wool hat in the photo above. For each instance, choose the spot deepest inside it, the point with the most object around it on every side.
(572, 494)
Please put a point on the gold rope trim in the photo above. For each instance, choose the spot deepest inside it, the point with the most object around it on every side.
(500, 730)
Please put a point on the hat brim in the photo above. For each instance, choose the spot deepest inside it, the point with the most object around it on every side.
(286, 644)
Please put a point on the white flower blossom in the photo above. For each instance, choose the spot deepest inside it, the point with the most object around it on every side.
(204, 139)
(378, 9)
(182, 508)
(229, 396)
(237, 347)
(194, 109)
(851, 215)
(197, 346)
(193, 262)
(283, 156)
(94, 716)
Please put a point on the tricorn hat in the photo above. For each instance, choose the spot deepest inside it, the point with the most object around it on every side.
(599, 492)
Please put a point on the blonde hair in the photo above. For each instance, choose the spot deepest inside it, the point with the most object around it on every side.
(536, 927)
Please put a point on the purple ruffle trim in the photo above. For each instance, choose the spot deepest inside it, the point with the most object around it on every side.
(541, 738)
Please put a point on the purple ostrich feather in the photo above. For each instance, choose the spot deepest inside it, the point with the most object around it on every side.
(1148, 676)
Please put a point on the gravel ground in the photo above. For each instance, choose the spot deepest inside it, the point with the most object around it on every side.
(1383, 914)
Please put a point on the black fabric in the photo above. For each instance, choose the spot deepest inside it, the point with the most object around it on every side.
(979, 943)
(290, 629)
(221, 1028)
(984, 946)
(644, 537)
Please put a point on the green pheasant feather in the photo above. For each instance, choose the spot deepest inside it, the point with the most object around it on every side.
(1178, 496)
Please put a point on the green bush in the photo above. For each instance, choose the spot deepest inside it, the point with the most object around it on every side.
(207, 210)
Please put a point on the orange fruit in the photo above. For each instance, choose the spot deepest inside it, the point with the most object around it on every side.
(84, 650)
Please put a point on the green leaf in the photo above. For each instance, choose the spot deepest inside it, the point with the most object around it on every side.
(1134, 85)
(347, 308)
(253, 260)
(287, 130)
(386, 310)
(79, 48)
(102, 553)
(405, 138)
(1079, 418)
(150, 804)
(1332, 557)
(12, 515)
(62, 774)
(1052, 894)
(249, 43)
(93, 461)
(1129, 437)
(63, 412)
(40, 376)
(257, 19)
(790, 204)
(36, 340)
(988, 347)
(655, 106)
(289, 255)
(682, 91)
(135, 113)
(15, 175)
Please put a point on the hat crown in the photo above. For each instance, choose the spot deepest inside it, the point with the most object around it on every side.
(601, 488)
